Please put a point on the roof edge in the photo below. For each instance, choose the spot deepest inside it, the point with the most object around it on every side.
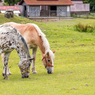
(21, 2)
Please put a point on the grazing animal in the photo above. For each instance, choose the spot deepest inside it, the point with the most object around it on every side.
(11, 39)
(35, 38)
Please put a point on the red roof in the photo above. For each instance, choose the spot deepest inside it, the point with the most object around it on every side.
(46, 2)
(9, 7)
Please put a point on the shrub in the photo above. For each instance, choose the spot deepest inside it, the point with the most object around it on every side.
(84, 28)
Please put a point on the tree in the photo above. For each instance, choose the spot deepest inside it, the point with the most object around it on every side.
(0, 0)
(86, 1)
(92, 2)
(12, 2)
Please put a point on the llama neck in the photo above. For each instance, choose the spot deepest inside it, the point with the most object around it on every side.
(42, 49)
(23, 55)
(22, 51)
(42, 41)
(43, 45)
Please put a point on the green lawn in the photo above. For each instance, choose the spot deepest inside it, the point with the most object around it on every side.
(74, 64)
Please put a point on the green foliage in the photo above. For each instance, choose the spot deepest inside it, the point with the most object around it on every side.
(5, 4)
(92, 2)
(86, 1)
(84, 28)
(12, 2)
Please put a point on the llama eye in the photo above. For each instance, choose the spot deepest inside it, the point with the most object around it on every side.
(48, 60)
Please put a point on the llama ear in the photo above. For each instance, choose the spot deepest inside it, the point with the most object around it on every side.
(47, 53)
(54, 51)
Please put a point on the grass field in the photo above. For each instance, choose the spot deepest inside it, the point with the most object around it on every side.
(74, 64)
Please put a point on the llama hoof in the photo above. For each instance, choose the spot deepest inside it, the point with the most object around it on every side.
(3, 74)
(35, 72)
(6, 78)
(9, 74)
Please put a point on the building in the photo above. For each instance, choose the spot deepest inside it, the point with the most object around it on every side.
(79, 7)
(15, 9)
(48, 8)
(1, 3)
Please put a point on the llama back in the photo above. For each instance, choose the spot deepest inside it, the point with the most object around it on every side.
(10, 36)
(14, 30)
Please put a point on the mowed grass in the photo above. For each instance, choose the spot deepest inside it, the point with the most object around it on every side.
(74, 63)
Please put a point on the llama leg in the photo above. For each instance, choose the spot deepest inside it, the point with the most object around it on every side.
(33, 62)
(6, 57)
(8, 71)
